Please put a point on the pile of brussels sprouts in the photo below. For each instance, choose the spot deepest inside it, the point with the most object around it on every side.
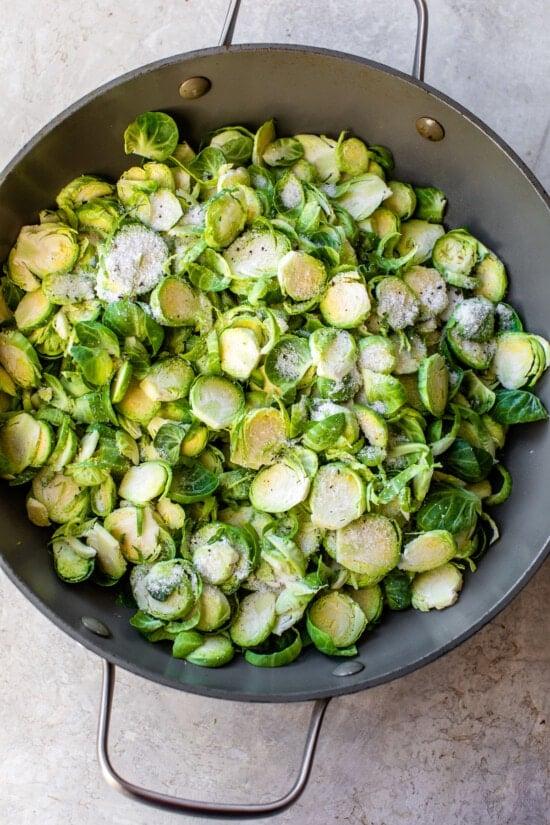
(262, 388)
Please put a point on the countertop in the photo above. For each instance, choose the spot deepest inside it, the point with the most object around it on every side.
(463, 741)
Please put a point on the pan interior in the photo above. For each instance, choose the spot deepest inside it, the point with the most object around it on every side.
(489, 191)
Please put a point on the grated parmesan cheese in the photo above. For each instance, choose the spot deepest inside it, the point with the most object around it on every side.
(133, 265)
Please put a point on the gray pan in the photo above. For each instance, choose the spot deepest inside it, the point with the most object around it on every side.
(490, 190)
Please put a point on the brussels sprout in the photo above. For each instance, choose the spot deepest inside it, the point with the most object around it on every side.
(239, 352)
(428, 550)
(433, 384)
(109, 559)
(152, 135)
(134, 263)
(258, 437)
(141, 537)
(168, 380)
(321, 153)
(103, 497)
(82, 190)
(101, 215)
(145, 482)
(430, 203)
(517, 407)
(256, 254)
(254, 620)
(337, 496)
(224, 219)
(276, 651)
(57, 496)
(301, 276)
(174, 303)
(402, 200)
(235, 143)
(397, 303)
(376, 353)
(215, 651)
(455, 255)
(33, 310)
(345, 303)
(191, 484)
(72, 561)
(216, 401)
(288, 362)
(478, 355)
(46, 249)
(281, 486)
(283, 152)
(368, 546)
(362, 195)
(166, 589)
(137, 405)
(419, 234)
(384, 393)
(333, 353)
(222, 554)
(491, 278)
(20, 439)
(519, 360)
(214, 608)
(436, 589)
(429, 289)
(467, 461)
(335, 622)
(19, 359)
(352, 156)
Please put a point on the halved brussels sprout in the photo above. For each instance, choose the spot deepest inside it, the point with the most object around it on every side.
(368, 546)
(167, 589)
(134, 262)
(101, 215)
(397, 303)
(215, 651)
(519, 359)
(433, 384)
(419, 234)
(455, 255)
(376, 353)
(428, 550)
(137, 405)
(436, 589)
(283, 152)
(263, 137)
(373, 426)
(216, 401)
(33, 310)
(41, 250)
(429, 289)
(152, 135)
(224, 219)
(301, 276)
(258, 437)
(82, 190)
(337, 496)
(346, 302)
(353, 156)
(370, 600)
(145, 482)
(384, 393)
(402, 200)
(214, 608)
(239, 352)
(222, 554)
(109, 559)
(333, 352)
(235, 143)
(57, 497)
(73, 561)
(430, 203)
(254, 620)
(320, 151)
(168, 380)
(256, 253)
(140, 535)
(281, 486)
(491, 278)
(335, 622)
(20, 438)
(288, 362)
(174, 303)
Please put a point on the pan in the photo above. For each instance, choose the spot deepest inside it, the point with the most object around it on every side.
(435, 140)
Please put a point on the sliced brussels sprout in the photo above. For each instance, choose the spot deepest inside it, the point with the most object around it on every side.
(263, 137)
(373, 426)
(168, 380)
(436, 589)
(174, 303)
(288, 362)
(103, 497)
(397, 590)
(376, 353)
(320, 151)
(455, 255)
(362, 195)
(41, 250)
(492, 281)
(368, 546)
(254, 620)
(82, 190)
(428, 550)
(216, 401)
(145, 482)
(137, 405)
(71, 561)
(429, 289)
(397, 304)
(100, 214)
(519, 360)
(338, 496)
(433, 384)
(19, 359)
(283, 152)
(167, 589)
(224, 219)
(333, 352)
(402, 200)
(239, 352)
(214, 607)
(33, 310)
(134, 262)
(430, 203)
(301, 276)
(140, 535)
(335, 622)
(370, 600)
(161, 210)
(109, 559)
(276, 651)
(19, 441)
(346, 302)
(258, 437)
(384, 393)
(223, 555)
(419, 234)
(256, 253)
(152, 135)
(281, 486)
(352, 156)
(58, 496)
(476, 354)
(215, 651)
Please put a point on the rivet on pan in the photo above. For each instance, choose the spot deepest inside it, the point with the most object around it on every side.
(348, 668)
(95, 626)
(194, 87)
(430, 129)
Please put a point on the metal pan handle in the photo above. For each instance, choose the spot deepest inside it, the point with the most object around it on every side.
(232, 14)
(193, 807)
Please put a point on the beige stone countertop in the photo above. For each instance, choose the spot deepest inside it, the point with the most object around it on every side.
(464, 741)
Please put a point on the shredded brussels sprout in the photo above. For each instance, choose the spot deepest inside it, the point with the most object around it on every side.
(261, 389)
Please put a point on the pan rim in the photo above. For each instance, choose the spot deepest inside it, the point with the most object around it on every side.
(102, 648)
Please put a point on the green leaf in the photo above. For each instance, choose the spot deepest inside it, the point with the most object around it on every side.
(518, 407)
(468, 462)
(191, 484)
(449, 508)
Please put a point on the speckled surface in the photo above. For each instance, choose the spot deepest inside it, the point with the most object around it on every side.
(463, 741)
